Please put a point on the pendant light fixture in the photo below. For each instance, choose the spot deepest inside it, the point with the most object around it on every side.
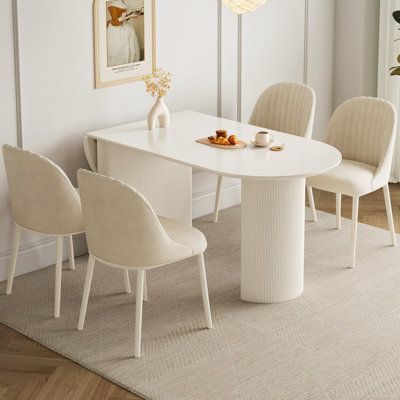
(243, 6)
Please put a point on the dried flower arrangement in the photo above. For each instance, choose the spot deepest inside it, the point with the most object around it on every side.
(159, 83)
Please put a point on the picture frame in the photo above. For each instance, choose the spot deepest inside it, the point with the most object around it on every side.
(124, 41)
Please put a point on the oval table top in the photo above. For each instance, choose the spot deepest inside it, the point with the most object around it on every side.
(301, 157)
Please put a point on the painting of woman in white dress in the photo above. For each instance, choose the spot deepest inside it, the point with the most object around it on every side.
(124, 40)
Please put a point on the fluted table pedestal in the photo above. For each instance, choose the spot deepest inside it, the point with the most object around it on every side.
(273, 214)
(158, 163)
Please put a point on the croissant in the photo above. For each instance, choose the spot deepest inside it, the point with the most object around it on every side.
(221, 140)
(233, 139)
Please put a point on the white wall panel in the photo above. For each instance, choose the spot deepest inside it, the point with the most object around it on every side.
(187, 46)
(273, 48)
(320, 59)
(8, 126)
(229, 63)
(356, 49)
(57, 79)
(58, 96)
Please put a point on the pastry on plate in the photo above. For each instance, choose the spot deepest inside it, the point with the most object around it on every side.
(222, 133)
(233, 139)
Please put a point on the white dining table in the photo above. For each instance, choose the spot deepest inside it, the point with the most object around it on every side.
(159, 164)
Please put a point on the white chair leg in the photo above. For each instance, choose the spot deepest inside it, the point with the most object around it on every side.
(13, 262)
(217, 198)
(312, 204)
(127, 281)
(204, 290)
(354, 231)
(389, 213)
(139, 311)
(57, 297)
(145, 287)
(86, 291)
(71, 255)
(338, 211)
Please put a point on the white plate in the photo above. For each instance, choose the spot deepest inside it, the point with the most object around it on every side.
(261, 145)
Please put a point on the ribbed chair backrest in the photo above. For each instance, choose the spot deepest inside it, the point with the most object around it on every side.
(42, 197)
(90, 148)
(286, 107)
(121, 227)
(363, 129)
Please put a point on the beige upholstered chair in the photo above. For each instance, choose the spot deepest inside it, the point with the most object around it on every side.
(123, 231)
(90, 148)
(363, 129)
(286, 107)
(43, 201)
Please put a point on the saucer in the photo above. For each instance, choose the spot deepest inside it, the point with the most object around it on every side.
(261, 145)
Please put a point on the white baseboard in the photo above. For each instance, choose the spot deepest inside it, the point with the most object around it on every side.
(203, 202)
(42, 253)
(37, 255)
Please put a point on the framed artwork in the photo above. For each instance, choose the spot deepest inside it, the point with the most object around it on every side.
(124, 40)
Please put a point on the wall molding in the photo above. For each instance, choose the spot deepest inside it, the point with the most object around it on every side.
(240, 56)
(219, 59)
(203, 201)
(38, 254)
(41, 253)
(239, 66)
(384, 33)
(306, 37)
(17, 73)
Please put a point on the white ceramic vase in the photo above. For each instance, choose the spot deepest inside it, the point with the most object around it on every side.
(160, 111)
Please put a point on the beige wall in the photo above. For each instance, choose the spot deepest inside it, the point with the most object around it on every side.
(8, 126)
(273, 48)
(320, 60)
(60, 104)
(356, 49)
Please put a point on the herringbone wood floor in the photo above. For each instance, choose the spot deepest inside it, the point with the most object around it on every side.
(31, 371)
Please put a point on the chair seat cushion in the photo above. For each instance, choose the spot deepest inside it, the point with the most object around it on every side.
(351, 178)
(184, 234)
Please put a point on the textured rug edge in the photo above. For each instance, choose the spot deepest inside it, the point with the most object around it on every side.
(107, 377)
(82, 364)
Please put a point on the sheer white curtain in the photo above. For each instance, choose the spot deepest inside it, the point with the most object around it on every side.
(388, 85)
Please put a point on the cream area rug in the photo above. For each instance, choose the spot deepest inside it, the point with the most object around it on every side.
(339, 341)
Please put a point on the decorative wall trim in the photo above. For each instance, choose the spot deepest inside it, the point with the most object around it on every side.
(384, 34)
(240, 56)
(38, 254)
(41, 253)
(203, 202)
(219, 59)
(306, 36)
(17, 72)
(239, 67)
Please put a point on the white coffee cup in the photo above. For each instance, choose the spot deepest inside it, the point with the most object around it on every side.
(263, 138)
